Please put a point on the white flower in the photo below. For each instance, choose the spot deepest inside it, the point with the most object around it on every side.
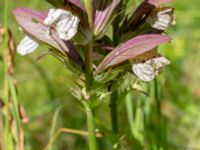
(26, 46)
(161, 18)
(148, 70)
(65, 23)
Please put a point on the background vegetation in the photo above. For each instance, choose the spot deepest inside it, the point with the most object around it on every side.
(43, 87)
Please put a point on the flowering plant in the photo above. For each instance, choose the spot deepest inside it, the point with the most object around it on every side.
(102, 42)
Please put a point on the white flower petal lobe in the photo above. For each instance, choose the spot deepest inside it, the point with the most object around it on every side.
(161, 18)
(148, 70)
(65, 24)
(26, 46)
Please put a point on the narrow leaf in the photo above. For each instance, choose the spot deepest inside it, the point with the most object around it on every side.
(53, 125)
(89, 8)
(104, 14)
(132, 48)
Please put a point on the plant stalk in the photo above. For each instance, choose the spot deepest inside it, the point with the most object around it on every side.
(113, 87)
(89, 66)
(113, 109)
(129, 109)
(158, 113)
(86, 103)
(91, 127)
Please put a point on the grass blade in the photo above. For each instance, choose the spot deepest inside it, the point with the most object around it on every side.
(53, 126)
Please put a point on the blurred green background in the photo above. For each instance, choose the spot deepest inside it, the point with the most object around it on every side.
(43, 86)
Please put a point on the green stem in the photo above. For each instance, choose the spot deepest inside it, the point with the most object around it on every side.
(158, 105)
(156, 96)
(91, 126)
(113, 87)
(129, 109)
(113, 109)
(8, 141)
(89, 81)
(89, 66)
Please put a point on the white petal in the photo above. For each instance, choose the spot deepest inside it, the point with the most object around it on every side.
(55, 15)
(67, 28)
(158, 62)
(161, 18)
(75, 23)
(66, 24)
(144, 72)
(26, 46)
(150, 69)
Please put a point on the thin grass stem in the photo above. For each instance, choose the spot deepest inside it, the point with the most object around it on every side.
(129, 110)
(68, 131)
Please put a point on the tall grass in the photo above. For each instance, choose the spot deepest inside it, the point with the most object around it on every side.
(12, 126)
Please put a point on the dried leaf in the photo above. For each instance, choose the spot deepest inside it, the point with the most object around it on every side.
(11, 47)
(144, 57)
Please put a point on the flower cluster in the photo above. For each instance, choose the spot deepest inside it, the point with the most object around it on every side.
(69, 27)
(62, 21)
